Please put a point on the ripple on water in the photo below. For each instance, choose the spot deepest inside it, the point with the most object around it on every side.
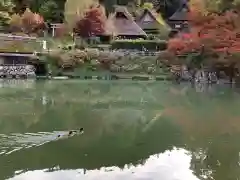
(17, 141)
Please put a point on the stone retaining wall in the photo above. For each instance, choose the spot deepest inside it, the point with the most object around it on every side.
(17, 71)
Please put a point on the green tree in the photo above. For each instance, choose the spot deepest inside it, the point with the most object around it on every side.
(51, 12)
(6, 7)
(4, 19)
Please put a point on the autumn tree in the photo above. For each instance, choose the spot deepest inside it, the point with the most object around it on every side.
(211, 31)
(28, 22)
(92, 24)
(15, 24)
(75, 9)
(32, 22)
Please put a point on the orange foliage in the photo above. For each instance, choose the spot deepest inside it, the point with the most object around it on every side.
(214, 32)
(32, 22)
(29, 22)
(198, 13)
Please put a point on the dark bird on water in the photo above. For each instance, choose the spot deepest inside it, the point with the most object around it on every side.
(72, 132)
(75, 131)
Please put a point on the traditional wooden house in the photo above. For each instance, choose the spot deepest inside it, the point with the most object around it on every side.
(18, 55)
(179, 20)
(16, 65)
(121, 24)
(151, 22)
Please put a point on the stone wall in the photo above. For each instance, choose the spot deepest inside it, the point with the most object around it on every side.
(17, 71)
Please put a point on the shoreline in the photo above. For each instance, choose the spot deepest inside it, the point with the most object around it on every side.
(133, 77)
(121, 64)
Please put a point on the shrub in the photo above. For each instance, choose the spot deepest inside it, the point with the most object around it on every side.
(63, 59)
(92, 53)
(139, 44)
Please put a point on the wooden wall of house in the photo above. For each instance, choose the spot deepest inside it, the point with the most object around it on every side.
(13, 60)
(178, 25)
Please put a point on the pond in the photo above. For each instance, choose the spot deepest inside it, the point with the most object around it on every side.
(132, 130)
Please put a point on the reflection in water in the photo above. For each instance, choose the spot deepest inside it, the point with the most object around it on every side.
(170, 165)
(17, 83)
(15, 142)
(131, 129)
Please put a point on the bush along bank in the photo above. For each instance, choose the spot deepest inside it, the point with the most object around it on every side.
(121, 64)
(197, 67)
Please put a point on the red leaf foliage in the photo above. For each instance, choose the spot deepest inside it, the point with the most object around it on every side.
(92, 24)
(216, 32)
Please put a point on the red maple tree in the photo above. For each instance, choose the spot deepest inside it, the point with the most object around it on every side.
(214, 32)
(92, 24)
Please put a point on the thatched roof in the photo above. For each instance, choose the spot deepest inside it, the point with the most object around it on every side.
(180, 14)
(121, 23)
(149, 19)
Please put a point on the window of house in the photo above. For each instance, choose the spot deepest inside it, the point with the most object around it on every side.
(177, 26)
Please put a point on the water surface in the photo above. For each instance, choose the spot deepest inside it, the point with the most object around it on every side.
(133, 130)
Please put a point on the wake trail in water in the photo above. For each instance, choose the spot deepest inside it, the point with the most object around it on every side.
(17, 141)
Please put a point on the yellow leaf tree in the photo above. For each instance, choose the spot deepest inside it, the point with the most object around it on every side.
(16, 23)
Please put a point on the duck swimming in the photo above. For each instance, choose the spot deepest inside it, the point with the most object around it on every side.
(80, 131)
(72, 133)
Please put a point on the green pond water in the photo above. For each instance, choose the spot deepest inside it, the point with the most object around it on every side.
(132, 130)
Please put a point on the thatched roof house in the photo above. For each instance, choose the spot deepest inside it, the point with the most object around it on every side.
(179, 15)
(151, 22)
(121, 23)
(179, 20)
